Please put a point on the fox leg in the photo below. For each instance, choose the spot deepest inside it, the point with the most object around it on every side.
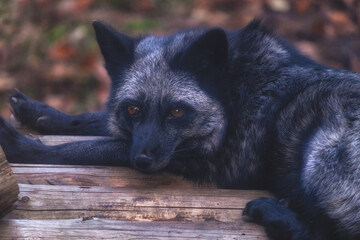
(282, 223)
(47, 120)
(279, 221)
(328, 204)
(21, 149)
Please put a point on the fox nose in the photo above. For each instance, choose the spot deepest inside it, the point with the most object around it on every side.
(143, 162)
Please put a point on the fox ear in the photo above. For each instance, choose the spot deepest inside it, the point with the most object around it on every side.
(116, 48)
(206, 52)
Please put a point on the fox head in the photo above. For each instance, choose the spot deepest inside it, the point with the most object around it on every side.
(169, 94)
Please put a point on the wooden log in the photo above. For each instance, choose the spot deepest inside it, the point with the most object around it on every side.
(92, 202)
(96, 176)
(195, 205)
(58, 139)
(96, 228)
(9, 188)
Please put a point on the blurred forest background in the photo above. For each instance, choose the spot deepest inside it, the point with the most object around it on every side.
(48, 49)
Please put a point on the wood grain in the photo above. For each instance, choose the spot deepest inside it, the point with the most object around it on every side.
(196, 205)
(97, 228)
(56, 139)
(96, 202)
(96, 176)
(9, 189)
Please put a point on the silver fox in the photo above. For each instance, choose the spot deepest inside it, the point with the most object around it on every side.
(242, 109)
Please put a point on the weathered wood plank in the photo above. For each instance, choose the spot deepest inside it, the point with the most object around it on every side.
(64, 202)
(92, 202)
(95, 176)
(57, 139)
(109, 229)
(9, 189)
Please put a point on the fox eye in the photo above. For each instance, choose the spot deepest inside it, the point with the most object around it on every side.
(176, 112)
(133, 110)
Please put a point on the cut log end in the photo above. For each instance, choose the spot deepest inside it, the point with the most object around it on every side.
(9, 188)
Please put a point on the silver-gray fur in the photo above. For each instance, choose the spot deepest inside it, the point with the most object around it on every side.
(255, 113)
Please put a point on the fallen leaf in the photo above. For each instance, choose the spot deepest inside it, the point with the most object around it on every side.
(62, 51)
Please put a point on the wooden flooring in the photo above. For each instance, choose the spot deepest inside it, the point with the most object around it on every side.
(87, 202)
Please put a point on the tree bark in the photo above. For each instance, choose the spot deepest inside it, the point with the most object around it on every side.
(9, 188)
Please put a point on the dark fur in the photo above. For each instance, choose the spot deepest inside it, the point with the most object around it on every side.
(257, 114)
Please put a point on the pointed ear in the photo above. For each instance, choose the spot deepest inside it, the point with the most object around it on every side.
(206, 52)
(116, 48)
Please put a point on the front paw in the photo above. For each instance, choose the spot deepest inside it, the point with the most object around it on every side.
(29, 112)
(22, 107)
(13, 142)
(267, 210)
(7, 132)
(279, 221)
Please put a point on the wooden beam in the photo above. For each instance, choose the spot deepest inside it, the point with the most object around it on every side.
(92, 202)
(9, 189)
(96, 228)
(96, 176)
(57, 139)
(195, 205)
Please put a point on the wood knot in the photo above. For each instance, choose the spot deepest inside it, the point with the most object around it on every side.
(25, 199)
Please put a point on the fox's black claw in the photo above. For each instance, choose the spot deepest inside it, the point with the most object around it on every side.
(17, 97)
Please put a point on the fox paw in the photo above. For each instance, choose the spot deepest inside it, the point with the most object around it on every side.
(17, 147)
(34, 114)
(7, 131)
(10, 138)
(279, 221)
(265, 210)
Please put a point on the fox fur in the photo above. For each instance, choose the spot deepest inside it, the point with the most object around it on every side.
(251, 112)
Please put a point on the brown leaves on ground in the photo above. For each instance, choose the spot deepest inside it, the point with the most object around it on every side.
(48, 49)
